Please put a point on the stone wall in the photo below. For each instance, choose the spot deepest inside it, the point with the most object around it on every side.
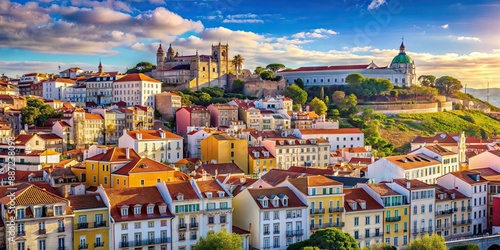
(255, 86)
(393, 109)
(484, 241)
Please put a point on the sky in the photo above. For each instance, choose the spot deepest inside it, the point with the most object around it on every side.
(460, 39)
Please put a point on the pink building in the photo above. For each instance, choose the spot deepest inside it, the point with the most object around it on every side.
(496, 215)
(191, 116)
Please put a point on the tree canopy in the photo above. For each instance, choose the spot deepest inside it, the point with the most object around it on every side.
(274, 67)
(448, 85)
(299, 82)
(329, 238)
(237, 63)
(298, 95)
(141, 67)
(468, 246)
(37, 112)
(368, 87)
(318, 106)
(238, 85)
(338, 96)
(221, 240)
(433, 242)
(427, 80)
(354, 78)
(258, 70)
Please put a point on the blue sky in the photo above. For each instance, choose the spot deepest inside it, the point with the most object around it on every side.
(442, 37)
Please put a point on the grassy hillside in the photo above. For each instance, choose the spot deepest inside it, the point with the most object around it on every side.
(401, 129)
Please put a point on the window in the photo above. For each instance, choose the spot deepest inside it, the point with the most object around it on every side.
(137, 225)
(20, 213)
(150, 209)
(137, 210)
(266, 215)
(430, 208)
(38, 212)
(41, 245)
(423, 209)
(105, 180)
(276, 215)
(58, 210)
(124, 211)
(151, 224)
(377, 219)
(142, 182)
(21, 245)
(124, 226)
(356, 221)
(367, 220)
(222, 219)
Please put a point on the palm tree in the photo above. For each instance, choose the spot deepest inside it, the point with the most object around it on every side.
(238, 63)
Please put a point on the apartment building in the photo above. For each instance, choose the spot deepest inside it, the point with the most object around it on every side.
(167, 103)
(223, 148)
(298, 152)
(194, 139)
(449, 159)
(99, 90)
(196, 116)
(410, 166)
(222, 114)
(136, 89)
(55, 88)
(260, 160)
(275, 216)
(159, 145)
(453, 213)
(338, 138)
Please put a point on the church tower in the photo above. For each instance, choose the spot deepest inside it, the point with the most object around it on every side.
(220, 55)
(404, 64)
(170, 53)
(99, 68)
(160, 57)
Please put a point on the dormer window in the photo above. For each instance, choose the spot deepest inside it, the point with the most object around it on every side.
(163, 209)
(151, 209)
(285, 202)
(276, 202)
(137, 210)
(21, 213)
(209, 194)
(221, 194)
(125, 211)
(362, 205)
(264, 203)
(180, 197)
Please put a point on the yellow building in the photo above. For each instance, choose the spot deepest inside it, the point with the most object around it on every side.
(396, 214)
(363, 217)
(98, 168)
(145, 172)
(323, 196)
(90, 225)
(223, 148)
(260, 160)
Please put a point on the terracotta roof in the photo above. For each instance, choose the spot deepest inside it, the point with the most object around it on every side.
(382, 189)
(322, 68)
(64, 173)
(210, 186)
(142, 165)
(489, 174)
(361, 160)
(136, 77)
(65, 80)
(476, 140)
(295, 142)
(29, 194)
(191, 109)
(220, 168)
(467, 176)
(357, 150)
(23, 176)
(86, 201)
(412, 161)
(312, 170)
(153, 134)
(23, 139)
(442, 138)
(414, 183)
(439, 150)
(115, 154)
(144, 196)
(265, 134)
(359, 195)
(183, 188)
(447, 193)
(270, 193)
(240, 231)
(260, 150)
(302, 183)
(49, 137)
(89, 116)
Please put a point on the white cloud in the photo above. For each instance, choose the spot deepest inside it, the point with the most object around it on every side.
(468, 38)
(445, 26)
(375, 4)
(243, 18)
(316, 33)
(139, 46)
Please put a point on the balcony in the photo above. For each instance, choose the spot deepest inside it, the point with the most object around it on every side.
(276, 232)
(193, 226)
(464, 208)
(393, 219)
(469, 208)
(99, 244)
(462, 222)
(60, 229)
(317, 211)
(373, 235)
(276, 246)
(267, 232)
(83, 246)
(335, 224)
(455, 209)
(415, 231)
(267, 247)
(182, 227)
(139, 243)
(444, 212)
(42, 231)
(100, 224)
(183, 238)
(336, 209)
(21, 233)
(82, 225)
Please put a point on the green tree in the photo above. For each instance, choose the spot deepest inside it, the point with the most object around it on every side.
(347, 106)
(205, 98)
(221, 240)
(237, 63)
(329, 238)
(379, 246)
(327, 100)
(334, 113)
(274, 67)
(238, 85)
(354, 78)
(337, 97)
(434, 242)
(259, 70)
(29, 114)
(37, 112)
(318, 106)
(299, 82)
(468, 246)
(322, 93)
(427, 80)
(298, 95)
(448, 85)
(213, 91)
(266, 75)
(141, 67)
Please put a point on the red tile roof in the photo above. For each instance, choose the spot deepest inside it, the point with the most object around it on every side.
(220, 169)
(89, 116)
(260, 150)
(86, 201)
(270, 193)
(302, 183)
(359, 195)
(29, 194)
(136, 77)
(467, 176)
(153, 134)
(143, 165)
(210, 186)
(183, 188)
(115, 155)
(382, 189)
(322, 68)
(414, 183)
(442, 138)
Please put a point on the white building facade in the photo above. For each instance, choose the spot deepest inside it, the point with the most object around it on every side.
(159, 145)
(136, 89)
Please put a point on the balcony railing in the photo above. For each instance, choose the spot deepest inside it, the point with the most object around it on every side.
(21, 233)
(100, 224)
(267, 232)
(82, 225)
(444, 212)
(455, 209)
(336, 209)
(138, 243)
(373, 235)
(183, 238)
(193, 226)
(462, 222)
(42, 231)
(469, 208)
(464, 208)
(298, 232)
(317, 211)
(99, 244)
(393, 219)
(60, 229)
(276, 232)
(83, 246)
(182, 227)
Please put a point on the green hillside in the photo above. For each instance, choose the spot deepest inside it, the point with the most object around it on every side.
(401, 129)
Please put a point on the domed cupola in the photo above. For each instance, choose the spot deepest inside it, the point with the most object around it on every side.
(402, 60)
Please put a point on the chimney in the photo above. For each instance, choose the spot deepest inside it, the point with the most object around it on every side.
(243, 180)
(26, 127)
(127, 152)
(408, 185)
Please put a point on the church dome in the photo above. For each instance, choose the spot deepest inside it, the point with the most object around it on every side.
(402, 57)
(170, 49)
(160, 50)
